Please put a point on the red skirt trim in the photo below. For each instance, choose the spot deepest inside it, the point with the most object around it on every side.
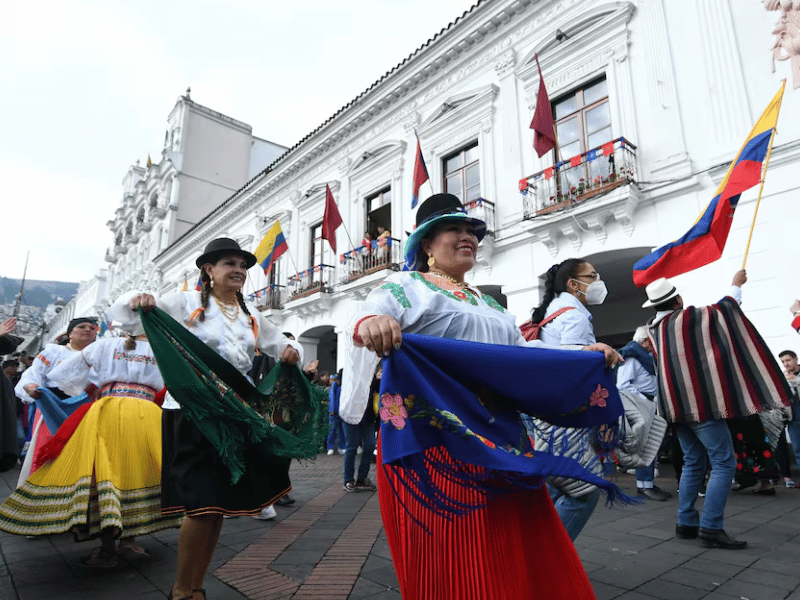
(516, 547)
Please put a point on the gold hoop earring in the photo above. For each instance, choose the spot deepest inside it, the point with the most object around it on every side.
(431, 261)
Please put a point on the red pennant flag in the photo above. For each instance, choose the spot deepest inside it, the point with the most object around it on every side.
(543, 125)
(548, 172)
(523, 184)
(331, 220)
(608, 148)
(420, 174)
(575, 161)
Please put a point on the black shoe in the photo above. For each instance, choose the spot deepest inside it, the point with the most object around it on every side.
(285, 501)
(717, 538)
(655, 493)
(686, 532)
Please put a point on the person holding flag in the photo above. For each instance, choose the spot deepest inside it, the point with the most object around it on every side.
(712, 365)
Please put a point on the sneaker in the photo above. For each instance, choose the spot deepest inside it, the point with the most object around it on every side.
(365, 485)
(330, 452)
(789, 483)
(266, 514)
(350, 486)
(341, 451)
(359, 451)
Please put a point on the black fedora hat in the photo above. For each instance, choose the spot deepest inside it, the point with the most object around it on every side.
(220, 246)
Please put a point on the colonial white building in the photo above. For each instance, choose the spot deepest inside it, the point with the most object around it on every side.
(654, 98)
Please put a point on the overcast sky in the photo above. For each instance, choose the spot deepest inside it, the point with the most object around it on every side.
(87, 87)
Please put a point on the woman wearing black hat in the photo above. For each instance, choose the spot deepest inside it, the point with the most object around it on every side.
(194, 479)
(81, 332)
(515, 546)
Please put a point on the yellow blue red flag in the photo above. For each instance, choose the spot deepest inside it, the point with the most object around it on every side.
(271, 247)
(705, 241)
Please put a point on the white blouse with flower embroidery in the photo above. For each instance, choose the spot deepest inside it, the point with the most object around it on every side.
(107, 361)
(428, 304)
(39, 371)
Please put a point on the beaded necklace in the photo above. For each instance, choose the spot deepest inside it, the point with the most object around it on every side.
(229, 313)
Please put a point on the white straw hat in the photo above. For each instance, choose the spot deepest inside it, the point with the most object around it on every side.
(659, 291)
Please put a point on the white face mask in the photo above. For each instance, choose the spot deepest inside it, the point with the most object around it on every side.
(595, 293)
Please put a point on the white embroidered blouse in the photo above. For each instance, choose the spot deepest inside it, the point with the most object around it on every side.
(428, 304)
(107, 361)
(39, 371)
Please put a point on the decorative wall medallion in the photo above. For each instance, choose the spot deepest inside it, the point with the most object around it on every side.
(787, 35)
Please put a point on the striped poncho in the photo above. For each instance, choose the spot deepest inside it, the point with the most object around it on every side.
(713, 364)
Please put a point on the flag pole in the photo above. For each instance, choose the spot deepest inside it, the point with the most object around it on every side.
(761, 188)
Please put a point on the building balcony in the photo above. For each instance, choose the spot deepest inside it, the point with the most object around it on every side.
(311, 281)
(588, 175)
(111, 257)
(157, 212)
(271, 297)
(582, 194)
(384, 253)
(145, 225)
(484, 210)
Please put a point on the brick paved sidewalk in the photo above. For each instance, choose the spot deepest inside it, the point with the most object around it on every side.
(330, 545)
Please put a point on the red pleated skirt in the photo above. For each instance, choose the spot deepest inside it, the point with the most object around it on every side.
(514, 548)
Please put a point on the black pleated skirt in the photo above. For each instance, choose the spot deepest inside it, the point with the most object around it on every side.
(195, 480)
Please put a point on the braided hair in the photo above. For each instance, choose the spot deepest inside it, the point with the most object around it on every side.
(130, 342)
(205, 292)
(556, 283)
(240, 298)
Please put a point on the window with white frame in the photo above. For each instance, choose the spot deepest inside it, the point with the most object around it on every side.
(583, 122)
(462, 176)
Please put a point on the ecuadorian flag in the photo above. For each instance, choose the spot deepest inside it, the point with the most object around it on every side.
(271, 247)
(704, 242)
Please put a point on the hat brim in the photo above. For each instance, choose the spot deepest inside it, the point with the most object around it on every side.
(415, 239)
(649, 303)
(213, 257)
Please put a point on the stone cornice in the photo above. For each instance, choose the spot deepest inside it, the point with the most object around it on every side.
(474, 44)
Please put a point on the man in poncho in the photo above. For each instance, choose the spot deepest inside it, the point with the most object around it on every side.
(712, 365)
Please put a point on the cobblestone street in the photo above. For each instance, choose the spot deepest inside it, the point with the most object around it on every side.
(330, 545)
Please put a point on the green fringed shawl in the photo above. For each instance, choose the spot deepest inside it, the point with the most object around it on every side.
(286, 410)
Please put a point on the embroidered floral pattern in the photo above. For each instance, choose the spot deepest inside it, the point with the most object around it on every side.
(464, 297)
(598, 397)
(492, 303)
(444, 420)
(392, 410)
(396, 290)
(140, 358)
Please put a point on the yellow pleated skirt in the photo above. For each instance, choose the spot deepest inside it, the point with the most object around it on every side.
(119, 443)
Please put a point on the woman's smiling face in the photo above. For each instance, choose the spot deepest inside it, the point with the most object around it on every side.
(229, 272)
(454, 246)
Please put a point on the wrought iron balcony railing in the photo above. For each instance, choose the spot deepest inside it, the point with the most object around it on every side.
(315, 279)
(484, 210)
(383, 253)
(572, 181)
(271, 297)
